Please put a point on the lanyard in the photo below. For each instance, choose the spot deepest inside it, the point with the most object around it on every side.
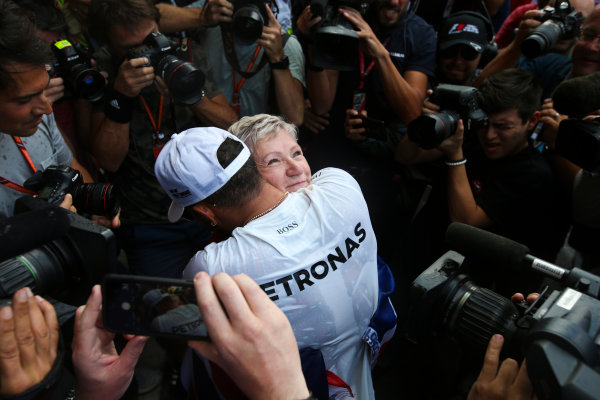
(237, 86)
(25, 154)
(364, 72)
(155, 124)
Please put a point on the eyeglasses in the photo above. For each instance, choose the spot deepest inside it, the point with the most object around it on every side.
(466, 52)
(588, 35)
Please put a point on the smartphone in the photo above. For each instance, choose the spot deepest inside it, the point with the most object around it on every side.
(151, 306)
(374, 128)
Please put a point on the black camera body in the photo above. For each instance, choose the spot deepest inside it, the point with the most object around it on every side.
(184, 80)
(335, 44)
(93, 198)
(557, 24)
(579, 141)
(457, 102)
(559, 333)
(65, 267)
(74, 66)
(249, 18)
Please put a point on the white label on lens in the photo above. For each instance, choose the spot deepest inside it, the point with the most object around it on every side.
(568, 299)
(126, 306)
(548, 268)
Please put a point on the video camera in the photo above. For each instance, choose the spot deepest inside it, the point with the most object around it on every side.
(92, 198)
(335, 44)
(74, 66)
(457, 102)
(53, 251)
(559, 334)
(557, 24)
(184, 80)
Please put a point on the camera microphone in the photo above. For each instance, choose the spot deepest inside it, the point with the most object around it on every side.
(32, 229)
(499, 250)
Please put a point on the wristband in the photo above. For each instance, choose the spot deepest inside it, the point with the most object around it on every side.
(118, 107)
(456, 163)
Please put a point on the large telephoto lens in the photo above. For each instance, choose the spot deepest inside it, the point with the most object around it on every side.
(542, 39)
(248, 23)
(429, 130)
(472, 314)
(87, 82)
(96, 198)
(184, 80)
(41, 269)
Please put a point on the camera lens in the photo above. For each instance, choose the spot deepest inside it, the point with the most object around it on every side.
(184, 80)
(473, 314)
(96, 198)
(40, 269)
(429, 130)
(87, 83)
(542, 39)
(248, 23)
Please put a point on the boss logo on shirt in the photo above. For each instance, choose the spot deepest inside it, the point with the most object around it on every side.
(289, 227)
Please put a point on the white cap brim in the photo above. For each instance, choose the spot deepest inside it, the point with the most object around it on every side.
(175, 212)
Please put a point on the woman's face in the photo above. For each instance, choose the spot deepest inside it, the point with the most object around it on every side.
(281, 162)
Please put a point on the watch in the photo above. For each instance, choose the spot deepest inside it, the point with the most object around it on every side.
(284, 63)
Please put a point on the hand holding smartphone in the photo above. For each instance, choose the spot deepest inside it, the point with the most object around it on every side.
(151, 306)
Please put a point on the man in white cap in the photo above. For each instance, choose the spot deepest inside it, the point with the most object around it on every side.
(312, 251)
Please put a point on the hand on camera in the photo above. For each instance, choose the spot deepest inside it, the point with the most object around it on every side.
(28, 342)
(55, 90)
(509, 382)
(252, 340)
(368, 40)
(306, 21)
(353, 125)
(215, 12)
(101, 372)
(133, 76)
(551, 120)
(270, 39)
(428, 106)
(529, 22)
(452, 146)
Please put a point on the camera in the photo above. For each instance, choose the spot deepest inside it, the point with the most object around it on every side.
(558, 334)
(335, 44)
(249, 17)
(457, 102)
(65, 266)
(557, 24)
(184, 80)
(73, 65)
(93, 198)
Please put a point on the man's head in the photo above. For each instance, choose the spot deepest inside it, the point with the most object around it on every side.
(122, 24)
(389, 12)
(206, 166)
(511, 99)
(23, 75)
(586, 52)
(462, 38)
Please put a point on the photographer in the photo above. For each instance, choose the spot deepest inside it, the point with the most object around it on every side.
(140, 114)
(497, 180)
(29, 136)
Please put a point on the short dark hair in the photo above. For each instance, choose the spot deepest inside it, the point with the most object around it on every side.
(19, 43)
(106, 14)
(244, 185)
(511, 88)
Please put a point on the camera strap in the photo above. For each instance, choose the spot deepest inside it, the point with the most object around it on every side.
(364, 72)
(157, 136)
(25, 153)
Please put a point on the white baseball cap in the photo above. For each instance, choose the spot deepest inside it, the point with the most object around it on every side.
(187, 168)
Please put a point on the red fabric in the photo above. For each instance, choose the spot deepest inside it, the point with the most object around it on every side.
(506, 32)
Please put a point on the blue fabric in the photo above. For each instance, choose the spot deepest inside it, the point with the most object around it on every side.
(384, 320)
(163, 249)
(315, 375)
(551, 69)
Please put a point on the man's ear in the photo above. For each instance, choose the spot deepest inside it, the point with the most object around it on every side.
(533, 120)
(204, 213)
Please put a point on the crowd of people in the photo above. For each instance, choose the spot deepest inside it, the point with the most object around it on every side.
(298, 162)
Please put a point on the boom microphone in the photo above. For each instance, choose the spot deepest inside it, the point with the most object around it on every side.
(32, 229)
